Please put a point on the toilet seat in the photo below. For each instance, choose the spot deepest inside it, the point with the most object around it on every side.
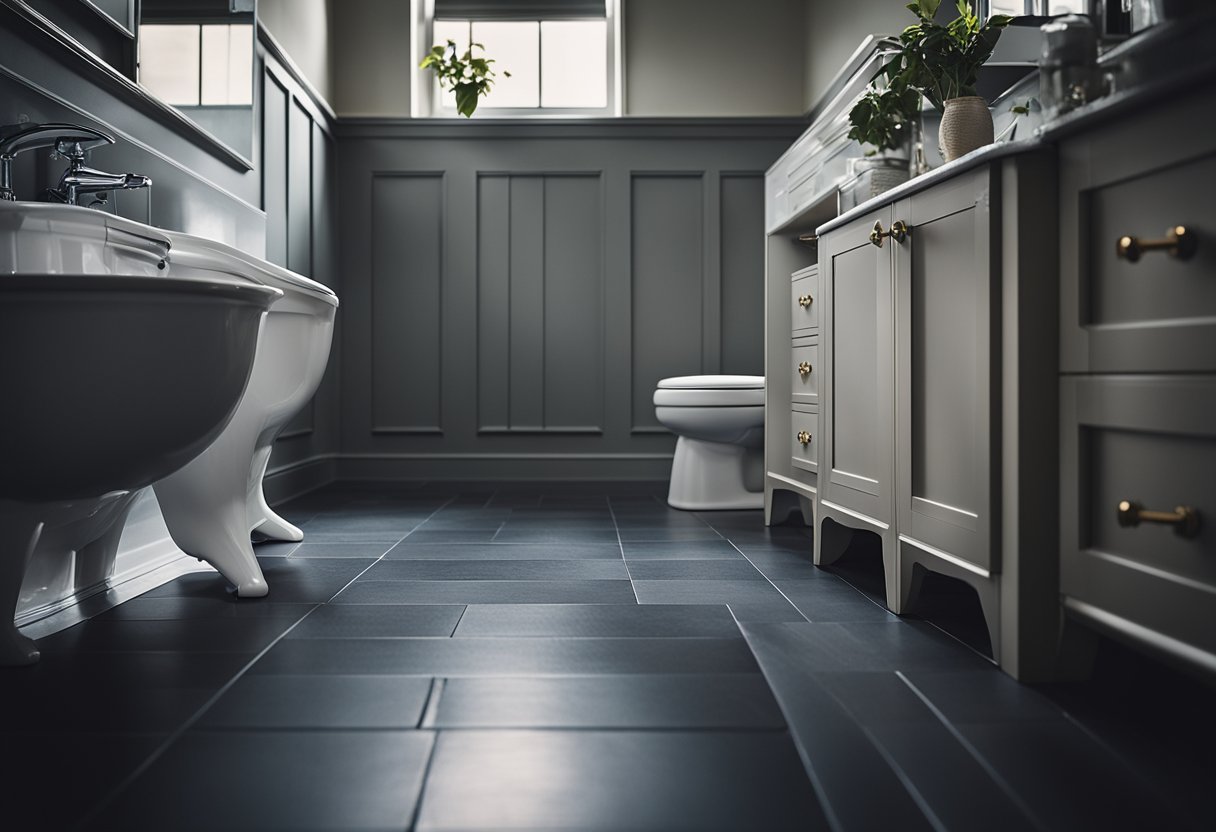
(710, 391)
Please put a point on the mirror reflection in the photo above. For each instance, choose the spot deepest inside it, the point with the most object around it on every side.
(198, 57)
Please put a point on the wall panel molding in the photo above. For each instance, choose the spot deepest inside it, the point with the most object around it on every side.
(407, 270)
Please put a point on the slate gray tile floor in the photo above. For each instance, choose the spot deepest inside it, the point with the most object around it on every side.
(575, 656)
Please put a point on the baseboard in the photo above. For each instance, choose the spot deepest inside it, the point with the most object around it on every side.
(502, 467)
(289, 481)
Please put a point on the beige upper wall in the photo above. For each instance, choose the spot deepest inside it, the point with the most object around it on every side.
(302, 28)
(714, 57)
(682, 57)
(835, 28)
(372, 57)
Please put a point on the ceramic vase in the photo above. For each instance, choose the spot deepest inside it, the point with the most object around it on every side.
(966, 126)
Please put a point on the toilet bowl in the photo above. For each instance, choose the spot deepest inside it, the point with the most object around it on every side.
(110, 382)
(213, 504)
(719, 457)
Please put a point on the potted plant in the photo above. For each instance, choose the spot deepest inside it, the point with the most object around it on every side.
(465, 75)
(882, 121)
(943, 64)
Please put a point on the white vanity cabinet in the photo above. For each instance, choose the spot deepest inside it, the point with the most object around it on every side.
(938, 397)
(1138, 390)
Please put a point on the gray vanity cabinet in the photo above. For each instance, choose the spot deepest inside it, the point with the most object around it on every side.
(944, 323)
(1138, 390)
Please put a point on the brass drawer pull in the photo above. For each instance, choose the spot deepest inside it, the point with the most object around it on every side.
(1178, 241)
(805, 300)
(804, 438)
(804, 369)
(899, 232)
(1184, 519)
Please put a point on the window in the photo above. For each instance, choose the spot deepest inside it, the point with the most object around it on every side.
(563, 55)
(1041, 7)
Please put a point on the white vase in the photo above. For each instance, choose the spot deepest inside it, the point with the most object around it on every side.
(966, 126)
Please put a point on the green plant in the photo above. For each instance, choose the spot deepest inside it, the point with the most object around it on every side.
(465, 75)
(943, 62)
(881, 118)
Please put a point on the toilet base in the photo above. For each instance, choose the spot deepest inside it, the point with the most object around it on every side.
(711, 476)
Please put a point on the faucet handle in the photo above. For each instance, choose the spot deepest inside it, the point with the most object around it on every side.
(74, 148)
(32, 136)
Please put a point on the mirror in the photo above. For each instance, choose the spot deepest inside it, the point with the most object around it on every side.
(197, 56)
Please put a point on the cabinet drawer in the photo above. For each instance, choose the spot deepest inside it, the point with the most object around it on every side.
(1149, 441)
(804, 386)
(1146, 311)
(804, 425)
(804, 291)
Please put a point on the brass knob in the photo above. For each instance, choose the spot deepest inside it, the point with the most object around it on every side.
(804, 438)
(804, 369)
(899, 232)
(876, 234)
(805, 301)
(1178, 242)
(1184, 519)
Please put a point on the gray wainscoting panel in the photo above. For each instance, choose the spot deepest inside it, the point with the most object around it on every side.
(667, 243)
(407, 270)
(276, 103)
(574, 304)
(742, 259)
(540, 303)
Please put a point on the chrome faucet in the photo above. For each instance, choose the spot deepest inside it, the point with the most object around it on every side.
(78, 180)
(73, 142)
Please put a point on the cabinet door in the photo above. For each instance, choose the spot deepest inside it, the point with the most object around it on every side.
(857, 388)
(945, 326)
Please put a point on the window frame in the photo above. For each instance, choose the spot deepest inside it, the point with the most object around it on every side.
(426, 99)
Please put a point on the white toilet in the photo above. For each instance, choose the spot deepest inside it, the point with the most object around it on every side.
(719, 459)
(213, 504)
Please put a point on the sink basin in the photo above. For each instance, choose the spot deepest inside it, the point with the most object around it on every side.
(111, 383)
(43, 238)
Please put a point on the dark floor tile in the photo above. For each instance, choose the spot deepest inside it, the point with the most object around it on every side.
(598, 621)
(950, 783)
(781, 564)
(352, 536)
(52, 780)
(497, 570)
(487, 592)
(506, 656)
(741, 701)
(72, 672)
(657, 519)
(378, 621)
(293, 580)
(684, 569)
(365, 522)
(684, 549)
(101, 707)
(617, 780)
(1066, 779)
(331, 780)
(274, 548)
(310, 702)
(832, 600)
(539, 535)
(145, 608)
(461, 535)
(410, 550)
(894, 645)
(556, 522)
(707, 592)
(859, 788)
(986, 695)
(645, 535)
(342, 550)
(767, 613)
(222, 635)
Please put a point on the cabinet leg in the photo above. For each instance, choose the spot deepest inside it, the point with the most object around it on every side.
(768, 504)
(831, 541)
(890, 571)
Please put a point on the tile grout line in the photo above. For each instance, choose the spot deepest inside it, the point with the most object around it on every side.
(621, 546)
(174, 736)
(986, 766)
(743, 554)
